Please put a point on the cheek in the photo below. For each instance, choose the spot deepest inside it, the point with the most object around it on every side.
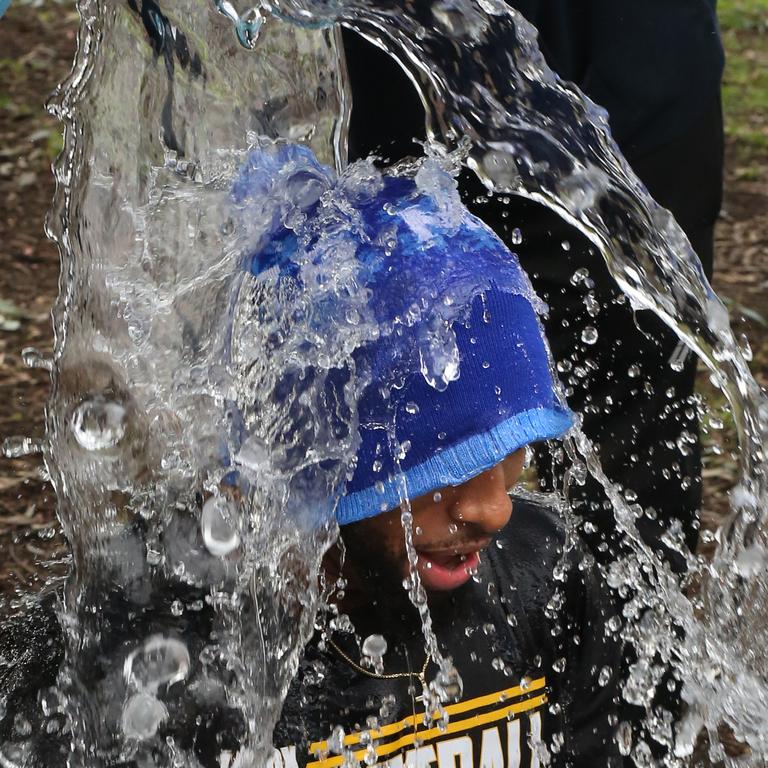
(432, 521)
(393, 539)
(387, 535)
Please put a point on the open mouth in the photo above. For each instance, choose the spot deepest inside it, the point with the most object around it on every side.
(443, 570)
(447, 559)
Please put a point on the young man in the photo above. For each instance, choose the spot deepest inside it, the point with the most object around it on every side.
(519, 665)
(457, 383)
(533, 652)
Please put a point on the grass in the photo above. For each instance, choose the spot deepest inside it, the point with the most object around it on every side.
(744, 25)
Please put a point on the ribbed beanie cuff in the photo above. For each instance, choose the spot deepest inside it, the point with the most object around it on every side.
(457, 463)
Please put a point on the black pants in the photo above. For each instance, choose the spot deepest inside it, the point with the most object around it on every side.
(635, 401)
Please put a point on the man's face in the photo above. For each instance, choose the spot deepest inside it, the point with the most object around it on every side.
(450, 529)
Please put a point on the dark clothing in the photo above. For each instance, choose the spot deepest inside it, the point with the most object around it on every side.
(654, 65)
(530, 640)
(498, 634)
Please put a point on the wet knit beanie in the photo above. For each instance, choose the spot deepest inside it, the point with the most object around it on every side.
(456, 367)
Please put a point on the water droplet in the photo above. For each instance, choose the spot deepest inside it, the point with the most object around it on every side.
(517, 236)
(579, 276)
(253, 454)
(218, 523)
(578, 473)
(142, 716)
(374, 646)
(371, 757)
(633, 371)
(589, 335)
(246, 27)
(439, 357)
(32, 357)
(16, 447)
(336, 740)
(98, 423)
(604, 677)
(565, 245)
(159, 661)
(411, 408)
(437, 497)
(448, 684)
(154, 556)
(592, 305)
(624, 738)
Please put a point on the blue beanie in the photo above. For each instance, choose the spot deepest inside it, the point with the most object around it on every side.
(458, 370)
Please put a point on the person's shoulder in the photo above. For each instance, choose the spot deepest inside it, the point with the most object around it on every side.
(536, 529)
(32, 648)
(539, 553)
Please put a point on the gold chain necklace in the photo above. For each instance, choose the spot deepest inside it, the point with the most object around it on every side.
(421, 676)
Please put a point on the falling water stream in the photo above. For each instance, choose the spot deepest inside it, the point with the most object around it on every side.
(192, 510)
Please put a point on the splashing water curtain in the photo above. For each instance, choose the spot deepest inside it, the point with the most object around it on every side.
(214, 576)
(188, 596)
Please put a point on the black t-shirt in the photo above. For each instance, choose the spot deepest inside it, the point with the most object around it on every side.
(530, 641)
(655, 65)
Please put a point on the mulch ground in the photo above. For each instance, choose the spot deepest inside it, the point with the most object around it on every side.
(36, 49)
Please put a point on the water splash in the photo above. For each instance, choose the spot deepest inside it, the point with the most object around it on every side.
(534, 135)
(148, 373)
(182, 576)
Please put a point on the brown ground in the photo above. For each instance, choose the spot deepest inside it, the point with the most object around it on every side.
(36, 48)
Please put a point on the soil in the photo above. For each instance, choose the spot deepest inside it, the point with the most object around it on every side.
(37, 46)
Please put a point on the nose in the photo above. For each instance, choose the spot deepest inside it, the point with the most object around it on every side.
(482, 501)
